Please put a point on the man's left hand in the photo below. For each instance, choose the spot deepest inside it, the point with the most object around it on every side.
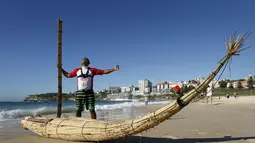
(117, 67)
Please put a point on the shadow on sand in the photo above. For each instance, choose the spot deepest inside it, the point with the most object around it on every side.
(138, 139)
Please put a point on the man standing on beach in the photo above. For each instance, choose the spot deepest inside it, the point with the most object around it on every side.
(85, 94)
(209, 92)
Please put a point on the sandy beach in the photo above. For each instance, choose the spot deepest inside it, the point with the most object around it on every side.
(226, 120)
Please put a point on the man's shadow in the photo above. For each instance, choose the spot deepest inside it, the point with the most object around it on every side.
(138, 139)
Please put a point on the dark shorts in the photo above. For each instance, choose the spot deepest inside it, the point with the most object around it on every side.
(86, 98)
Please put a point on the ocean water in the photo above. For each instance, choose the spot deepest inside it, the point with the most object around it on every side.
(16, 110)
(11, 113)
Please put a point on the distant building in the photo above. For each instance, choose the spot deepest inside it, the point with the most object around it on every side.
(185, 82)
(125, 89)
(162, 87)
(235, 84)
(172, 84)
(244, 83)
(144, 85)
(154, 89)
(158, 86)
(132, 88)
(200, 79)
(147, 90)
(216, 83)
(229, 84)
(114, 89)
(137, 92)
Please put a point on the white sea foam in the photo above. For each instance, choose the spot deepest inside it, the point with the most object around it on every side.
(19, 113)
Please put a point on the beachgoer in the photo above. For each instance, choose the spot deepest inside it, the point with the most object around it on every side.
(85, 94)
(209, 94)
(235, 95)
(146, 99)
(227, 95)
(201, 95)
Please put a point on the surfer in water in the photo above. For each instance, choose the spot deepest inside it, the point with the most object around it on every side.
(85, 94)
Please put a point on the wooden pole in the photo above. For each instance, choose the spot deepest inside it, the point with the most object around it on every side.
(59, 68)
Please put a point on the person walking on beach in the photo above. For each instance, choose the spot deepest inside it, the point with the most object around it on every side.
(85, 94)
(146, 99)
(209, 94)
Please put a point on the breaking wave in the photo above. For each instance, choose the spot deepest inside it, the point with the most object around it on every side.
(19, 113)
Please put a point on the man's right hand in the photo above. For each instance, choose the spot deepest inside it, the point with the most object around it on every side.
(59, 65)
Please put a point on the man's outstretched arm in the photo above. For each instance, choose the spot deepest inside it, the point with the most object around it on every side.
(107, 71)
(66, 74)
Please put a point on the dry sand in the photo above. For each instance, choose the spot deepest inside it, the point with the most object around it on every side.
(226, 120)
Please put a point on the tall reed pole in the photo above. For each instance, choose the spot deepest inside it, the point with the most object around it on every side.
(59, 68)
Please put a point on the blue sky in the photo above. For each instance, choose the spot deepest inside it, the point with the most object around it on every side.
(159, 40)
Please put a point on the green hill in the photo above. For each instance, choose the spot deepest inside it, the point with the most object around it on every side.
(49, 97)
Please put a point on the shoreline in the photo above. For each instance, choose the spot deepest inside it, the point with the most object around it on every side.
(225, 120)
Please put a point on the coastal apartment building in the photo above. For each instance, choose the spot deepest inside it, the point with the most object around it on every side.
(125, 89)
(145, 85)
(114, 89)
(244, 84)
